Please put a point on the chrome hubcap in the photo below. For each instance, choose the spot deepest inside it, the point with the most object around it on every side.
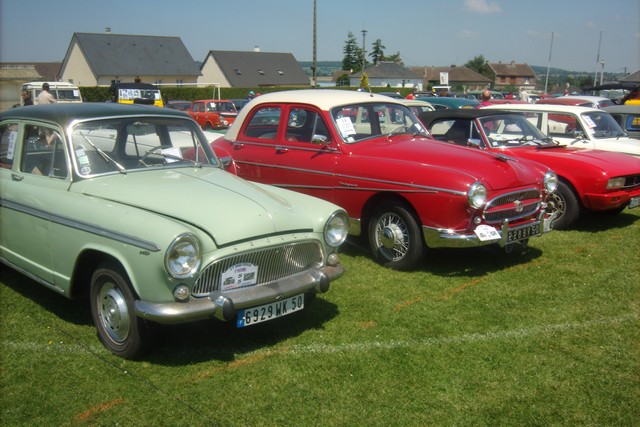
(392, 237)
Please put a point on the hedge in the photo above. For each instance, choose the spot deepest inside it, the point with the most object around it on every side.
(190, 93)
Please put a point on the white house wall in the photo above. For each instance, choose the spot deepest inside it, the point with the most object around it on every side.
(77, 70)
(211, 73)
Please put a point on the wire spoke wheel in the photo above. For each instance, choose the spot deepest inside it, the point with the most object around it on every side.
(395, 236)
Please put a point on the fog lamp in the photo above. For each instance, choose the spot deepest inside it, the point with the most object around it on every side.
(181, 293)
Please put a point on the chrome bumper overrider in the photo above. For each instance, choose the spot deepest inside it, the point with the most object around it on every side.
(223, 305)
(439, 238)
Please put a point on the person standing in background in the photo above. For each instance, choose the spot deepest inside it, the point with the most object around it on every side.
(45, 96)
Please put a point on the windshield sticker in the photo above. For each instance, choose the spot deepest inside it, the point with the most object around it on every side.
(12, 144)
(345, 126)
(590, 122)
(238, 276)
(173, 154)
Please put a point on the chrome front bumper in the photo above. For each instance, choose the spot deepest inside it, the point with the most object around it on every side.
(442, 238)
(224, 305)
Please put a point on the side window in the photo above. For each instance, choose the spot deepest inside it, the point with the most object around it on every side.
(264, 123)
(8, 139)
(43, 152)
(194, 107)
(306, 126)
(562, 124)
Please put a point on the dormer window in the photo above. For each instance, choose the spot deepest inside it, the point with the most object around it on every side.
(238, 72)
(261, 72)
(280, 72)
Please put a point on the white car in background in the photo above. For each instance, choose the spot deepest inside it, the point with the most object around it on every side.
(581, 127)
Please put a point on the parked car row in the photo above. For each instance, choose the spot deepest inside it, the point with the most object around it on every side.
(132, 205)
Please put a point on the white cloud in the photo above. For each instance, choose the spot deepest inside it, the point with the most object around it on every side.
(482, 6)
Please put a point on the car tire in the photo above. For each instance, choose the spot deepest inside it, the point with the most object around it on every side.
(113, 313)
(565, 205)
(395, 236)
(208, 126)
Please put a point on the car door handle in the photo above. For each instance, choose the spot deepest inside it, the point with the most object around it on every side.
(281, 149)
(15, 177)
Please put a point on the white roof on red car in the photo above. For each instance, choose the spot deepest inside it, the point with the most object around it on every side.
(324, 99)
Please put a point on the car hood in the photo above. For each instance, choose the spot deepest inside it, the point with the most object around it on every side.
(223, 205)
(496, 171)
(563, 158)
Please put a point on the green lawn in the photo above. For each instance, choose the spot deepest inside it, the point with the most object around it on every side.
(476, 337)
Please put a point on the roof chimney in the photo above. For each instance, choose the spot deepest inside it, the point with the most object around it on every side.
(256, 48)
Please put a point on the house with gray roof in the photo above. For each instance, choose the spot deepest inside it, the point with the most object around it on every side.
(388, 74)
(99, 59)
(252, 69)
(456, 76)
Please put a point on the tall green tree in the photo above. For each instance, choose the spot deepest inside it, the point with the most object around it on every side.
(352, 60)
(479, 65)
(395, 58)
(377, 51)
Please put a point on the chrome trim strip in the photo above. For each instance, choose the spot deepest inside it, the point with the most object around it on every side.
(80, 225)
(419, 188)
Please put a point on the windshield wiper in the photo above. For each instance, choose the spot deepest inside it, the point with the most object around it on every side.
(157, 151)
(105, 156)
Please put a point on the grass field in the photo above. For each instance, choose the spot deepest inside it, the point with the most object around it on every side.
(476, 337)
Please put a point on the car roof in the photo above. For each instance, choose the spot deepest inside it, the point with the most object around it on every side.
(558, 108)
(460, 113)
(626, 108)
(325, 99)
(65, 114)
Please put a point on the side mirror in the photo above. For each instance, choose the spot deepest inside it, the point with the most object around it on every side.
(474, 142)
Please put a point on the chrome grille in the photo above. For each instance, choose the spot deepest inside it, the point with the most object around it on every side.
(272, 263)
(513, 206)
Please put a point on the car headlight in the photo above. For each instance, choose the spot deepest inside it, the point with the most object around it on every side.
(477, 195)
(182, 259)
(336, 229)
(550, 182)
(615, 183)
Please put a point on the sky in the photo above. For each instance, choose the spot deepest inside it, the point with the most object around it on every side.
(575, 35)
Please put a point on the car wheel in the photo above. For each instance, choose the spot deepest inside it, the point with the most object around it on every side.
(395, 236)
(565, 205)
(113, 313)
(208, 126)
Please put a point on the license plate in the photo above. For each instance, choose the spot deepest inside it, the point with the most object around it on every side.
(523, 233)
(263, 313)
(634, 202)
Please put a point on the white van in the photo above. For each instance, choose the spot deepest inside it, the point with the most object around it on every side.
(62, 91)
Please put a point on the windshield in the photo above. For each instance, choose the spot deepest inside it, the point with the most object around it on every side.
(512, 130)
(133, 143)
(601, 124)
(361, 121)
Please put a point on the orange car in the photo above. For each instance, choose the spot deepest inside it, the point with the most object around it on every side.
(213, 113)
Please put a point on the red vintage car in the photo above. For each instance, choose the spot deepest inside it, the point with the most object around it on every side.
(403, 191)
(595, 180)
(213, 114)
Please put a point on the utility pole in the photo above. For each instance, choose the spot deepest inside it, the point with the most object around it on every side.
(313, 64)
(364, 56)
(546, 82)
(595, 75)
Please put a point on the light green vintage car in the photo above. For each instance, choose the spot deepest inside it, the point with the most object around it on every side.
(128, 204)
